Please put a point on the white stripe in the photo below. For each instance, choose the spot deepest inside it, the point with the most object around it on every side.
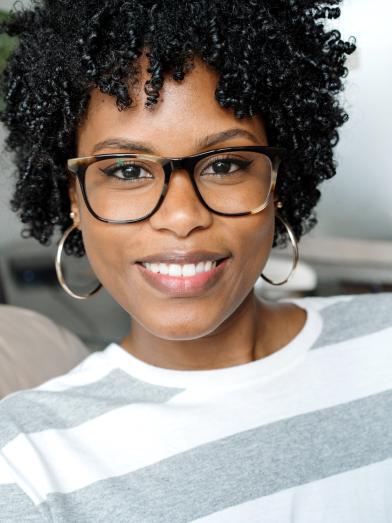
(327, 377)
(361, 495)
(6, 475)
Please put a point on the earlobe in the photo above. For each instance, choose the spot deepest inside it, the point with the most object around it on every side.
(75, 218)
(74, 214)
(277, 203)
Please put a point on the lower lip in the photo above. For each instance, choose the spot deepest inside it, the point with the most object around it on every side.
(183, 286)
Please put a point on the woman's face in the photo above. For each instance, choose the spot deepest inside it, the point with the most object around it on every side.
(186, 115)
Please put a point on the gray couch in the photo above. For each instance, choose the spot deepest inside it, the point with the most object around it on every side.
(33, 349)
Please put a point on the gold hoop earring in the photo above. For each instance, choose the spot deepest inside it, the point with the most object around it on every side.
(294, 245)
(59, 270)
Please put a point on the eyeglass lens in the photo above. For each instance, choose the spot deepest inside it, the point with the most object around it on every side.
(130, 188)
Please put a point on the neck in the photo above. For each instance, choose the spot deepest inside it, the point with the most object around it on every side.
(243, 337)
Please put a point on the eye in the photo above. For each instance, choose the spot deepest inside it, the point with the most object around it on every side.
(223, 166)
(127, 171)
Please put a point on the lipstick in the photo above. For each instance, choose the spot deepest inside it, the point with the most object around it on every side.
(183, 274)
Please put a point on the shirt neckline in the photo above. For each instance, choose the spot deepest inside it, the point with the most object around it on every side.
(264, 369)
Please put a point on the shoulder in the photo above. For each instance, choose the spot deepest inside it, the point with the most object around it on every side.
(347, 317)
(354, 306)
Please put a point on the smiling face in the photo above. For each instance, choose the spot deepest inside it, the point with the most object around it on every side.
(187, 120)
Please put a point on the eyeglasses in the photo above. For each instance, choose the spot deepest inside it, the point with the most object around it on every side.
(127, 188)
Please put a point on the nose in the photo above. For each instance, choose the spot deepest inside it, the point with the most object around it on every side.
(181, 211)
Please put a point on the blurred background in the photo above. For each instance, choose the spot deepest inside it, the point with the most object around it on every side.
(349, 251)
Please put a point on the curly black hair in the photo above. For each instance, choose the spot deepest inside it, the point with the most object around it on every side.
(274, 58)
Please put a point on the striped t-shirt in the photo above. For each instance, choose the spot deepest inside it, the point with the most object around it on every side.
(303, 435)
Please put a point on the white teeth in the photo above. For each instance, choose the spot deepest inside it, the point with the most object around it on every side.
(174, 269)
(200, 267)
(154, 267)
(163, 268)
(189, 269)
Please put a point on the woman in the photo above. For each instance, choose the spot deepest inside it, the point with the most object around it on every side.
(151, 135)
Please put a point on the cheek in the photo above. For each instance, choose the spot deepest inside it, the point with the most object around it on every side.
(255, 242)
(255, 236)
(100, 242)
(109, 250)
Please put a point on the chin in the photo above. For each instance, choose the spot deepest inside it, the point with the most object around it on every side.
(182, 329)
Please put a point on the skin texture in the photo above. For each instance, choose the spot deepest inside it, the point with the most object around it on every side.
(226, 325)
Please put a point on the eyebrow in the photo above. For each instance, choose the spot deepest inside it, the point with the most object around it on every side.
(207, 141)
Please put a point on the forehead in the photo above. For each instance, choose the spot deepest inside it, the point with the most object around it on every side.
(186, 112)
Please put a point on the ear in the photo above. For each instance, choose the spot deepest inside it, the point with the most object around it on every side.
(74, 203)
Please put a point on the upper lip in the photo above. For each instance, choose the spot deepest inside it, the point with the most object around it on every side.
(182, 257)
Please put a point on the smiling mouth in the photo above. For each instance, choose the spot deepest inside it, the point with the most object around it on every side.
(186, 270)
(183, 280)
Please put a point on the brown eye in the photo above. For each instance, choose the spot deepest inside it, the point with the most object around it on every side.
(127, 171)
(224, 166)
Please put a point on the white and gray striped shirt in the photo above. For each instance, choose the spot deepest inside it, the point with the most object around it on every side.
(301, 436)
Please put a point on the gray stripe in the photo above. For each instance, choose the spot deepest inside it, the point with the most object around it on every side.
(362, 315)
(36, 410)
(16, 507)
(239, 468)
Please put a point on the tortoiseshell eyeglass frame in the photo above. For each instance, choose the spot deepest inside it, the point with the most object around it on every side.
(78, 167)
